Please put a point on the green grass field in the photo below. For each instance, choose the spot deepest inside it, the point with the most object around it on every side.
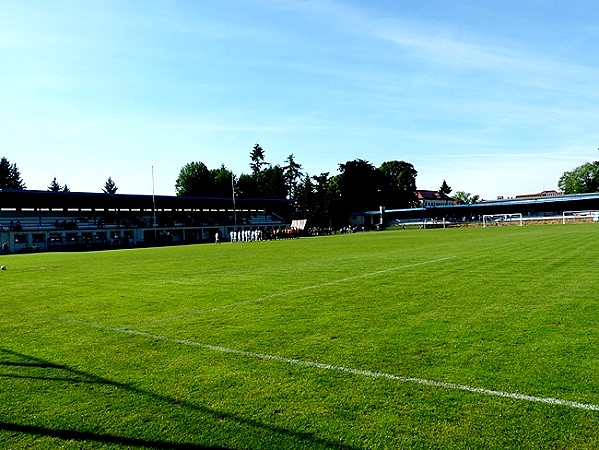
(450, 338)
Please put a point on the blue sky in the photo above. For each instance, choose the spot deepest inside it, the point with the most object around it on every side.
(496, 98)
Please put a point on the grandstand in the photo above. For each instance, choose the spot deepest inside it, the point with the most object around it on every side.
(532, 208)
(63, 221)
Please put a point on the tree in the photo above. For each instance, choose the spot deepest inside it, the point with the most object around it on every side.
(444, 189)
(582, 179)
(398, 184)
(292, 172)
(55, 186)
(194, 180)
(271, 182)
(110, 187)
(265, 181)
(305, 199)
(257, 158)
(247, 186)
(313, 200)
(465, 198)
(10, 178)
(222, 182)
(326, 207)
(65, 188)
(360, 187)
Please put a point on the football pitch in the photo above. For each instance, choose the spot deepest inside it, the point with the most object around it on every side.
(447, 338)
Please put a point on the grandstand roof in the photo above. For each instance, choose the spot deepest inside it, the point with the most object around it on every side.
(593, 196)
(19, 199)
(556, 203)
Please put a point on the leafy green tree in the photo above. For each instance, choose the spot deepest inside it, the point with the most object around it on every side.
(582, 179)
(465, 198)
(305, 199)
(398, 184)
(314, 200)
(271, 182)
(333, 203)
(194, 180)
(110, 187)
(247, 186)
(445, 189)
(222, 182)
(326, 205)
(10, 178)
(360, 186)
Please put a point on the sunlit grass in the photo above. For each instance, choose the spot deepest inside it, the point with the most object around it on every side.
(113, 349)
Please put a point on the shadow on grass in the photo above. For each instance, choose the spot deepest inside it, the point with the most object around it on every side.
(77, 376)
(100, 438)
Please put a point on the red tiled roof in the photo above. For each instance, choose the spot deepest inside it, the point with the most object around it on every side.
(431, 195)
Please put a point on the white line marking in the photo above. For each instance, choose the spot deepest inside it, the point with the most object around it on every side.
(294, 291)
(332, 367)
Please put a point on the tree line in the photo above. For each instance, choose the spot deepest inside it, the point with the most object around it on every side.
(10, 178)
(581, 179)
(327, 199)
(324, 199)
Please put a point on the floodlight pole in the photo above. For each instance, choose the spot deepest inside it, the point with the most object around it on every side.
(154, 202)
(234, 208)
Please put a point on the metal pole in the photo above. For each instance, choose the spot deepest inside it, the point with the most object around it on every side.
(234, 208)
(154, 202)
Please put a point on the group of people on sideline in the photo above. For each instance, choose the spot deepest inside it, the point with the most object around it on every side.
(258, 235)
(245, 235)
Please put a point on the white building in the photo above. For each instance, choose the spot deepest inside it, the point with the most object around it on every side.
(431, 199)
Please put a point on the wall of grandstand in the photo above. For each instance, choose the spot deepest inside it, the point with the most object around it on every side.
(45, 221)
(60, 233)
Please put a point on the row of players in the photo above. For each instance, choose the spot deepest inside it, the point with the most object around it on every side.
(259, 235)
(245, 235)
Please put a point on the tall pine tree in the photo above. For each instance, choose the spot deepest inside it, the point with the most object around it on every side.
(10, 178)
(110, 187)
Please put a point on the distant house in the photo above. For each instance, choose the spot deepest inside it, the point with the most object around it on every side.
(428, 199)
